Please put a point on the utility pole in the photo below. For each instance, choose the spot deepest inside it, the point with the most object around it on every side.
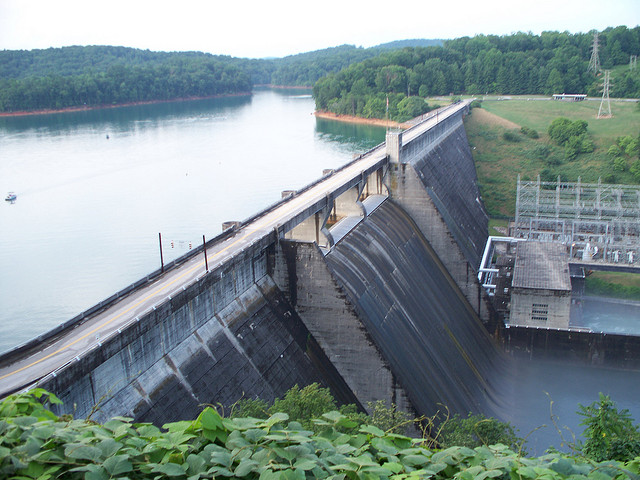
(605, 111)
(161, 259)
(633, 62)
(594, 62)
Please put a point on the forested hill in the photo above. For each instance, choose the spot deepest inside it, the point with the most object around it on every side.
(520, 63)
(77, 76)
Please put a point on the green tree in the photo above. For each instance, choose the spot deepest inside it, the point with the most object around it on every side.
(610, 433)
(477, 430)
(560, 130)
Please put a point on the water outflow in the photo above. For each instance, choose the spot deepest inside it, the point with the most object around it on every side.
(434, 342)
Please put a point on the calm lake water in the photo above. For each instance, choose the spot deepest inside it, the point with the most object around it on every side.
(95, 189)
(90, 208)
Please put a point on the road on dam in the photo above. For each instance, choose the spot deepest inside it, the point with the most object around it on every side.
(39, 361)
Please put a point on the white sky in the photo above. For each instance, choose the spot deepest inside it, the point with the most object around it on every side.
(276, 28)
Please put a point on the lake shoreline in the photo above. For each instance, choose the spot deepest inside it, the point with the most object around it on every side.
(86, 108)
(379, 122)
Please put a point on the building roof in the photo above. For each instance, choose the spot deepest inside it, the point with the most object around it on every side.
(541, 265)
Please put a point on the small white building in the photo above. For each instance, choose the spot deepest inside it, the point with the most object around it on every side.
(570, 97)
(541, 288)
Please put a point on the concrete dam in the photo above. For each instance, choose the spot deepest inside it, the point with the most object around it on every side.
(364, 281)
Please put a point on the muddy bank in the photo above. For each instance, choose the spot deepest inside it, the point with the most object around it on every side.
(48, 111)
(380, 122)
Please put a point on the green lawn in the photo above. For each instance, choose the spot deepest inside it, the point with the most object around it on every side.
(538, 114)
(499, 160)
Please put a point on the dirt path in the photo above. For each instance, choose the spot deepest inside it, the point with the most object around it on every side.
(489, 118)
(365, 121)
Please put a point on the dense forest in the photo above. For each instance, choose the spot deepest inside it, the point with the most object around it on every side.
(521, 63)
(76, 76)
(346, 79)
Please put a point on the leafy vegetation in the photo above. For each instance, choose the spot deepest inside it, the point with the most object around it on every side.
(520, 63)
(477, 430)
(613, 284)
(34, 443)
(308, 403)
(104, 75)
(610, 433)
(571, 135)
(178, 78)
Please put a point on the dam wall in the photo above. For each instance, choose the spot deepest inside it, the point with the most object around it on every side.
(304, 276)
(580, 347)
(230, 335)
(390, 312)
(418, 318)
(435, 182)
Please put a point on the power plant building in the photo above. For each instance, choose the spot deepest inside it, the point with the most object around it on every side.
(541, 287)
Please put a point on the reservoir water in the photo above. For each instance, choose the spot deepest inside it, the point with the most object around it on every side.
(95, 188)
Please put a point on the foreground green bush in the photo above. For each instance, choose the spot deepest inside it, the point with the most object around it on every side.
(34, 443)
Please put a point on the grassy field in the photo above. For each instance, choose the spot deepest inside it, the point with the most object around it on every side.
(499, 160)
(613, 284)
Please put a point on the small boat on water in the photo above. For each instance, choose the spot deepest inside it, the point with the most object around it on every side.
(11, 197)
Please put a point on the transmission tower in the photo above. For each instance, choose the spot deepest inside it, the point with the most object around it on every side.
(633, 62)
(605, 111)
(594, 62)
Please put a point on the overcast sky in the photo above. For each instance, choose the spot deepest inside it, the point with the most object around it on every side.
(276, 28)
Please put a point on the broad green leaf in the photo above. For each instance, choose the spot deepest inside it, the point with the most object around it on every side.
(118, 464)
(292, 474)
(92, 472)
(108, 447)
(489, 474)
(372, 430)
(394, 467)
(210, 419)
(169, 469)
(276, 418)
(333, 416)
(196, 464)
(221, 458)
(246, 466)
(178, 427)
(305, 464)
(269, 475)
(43, 432)
(255, 434)
(416, 460)
(149, 431)
(82, 452)
(526, 472)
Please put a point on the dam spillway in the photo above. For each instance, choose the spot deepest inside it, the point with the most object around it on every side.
(418, 317)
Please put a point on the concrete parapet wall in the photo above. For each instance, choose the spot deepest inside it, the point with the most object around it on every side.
(617, 351)
(230, 335)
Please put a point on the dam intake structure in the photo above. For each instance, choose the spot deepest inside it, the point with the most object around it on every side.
(388, 309)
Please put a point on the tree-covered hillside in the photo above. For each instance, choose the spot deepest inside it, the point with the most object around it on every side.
(77, 76)
(520, 63)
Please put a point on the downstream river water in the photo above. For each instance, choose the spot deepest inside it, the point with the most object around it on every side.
(95, 188)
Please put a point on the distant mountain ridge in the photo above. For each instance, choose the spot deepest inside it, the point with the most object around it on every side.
(415, 42)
